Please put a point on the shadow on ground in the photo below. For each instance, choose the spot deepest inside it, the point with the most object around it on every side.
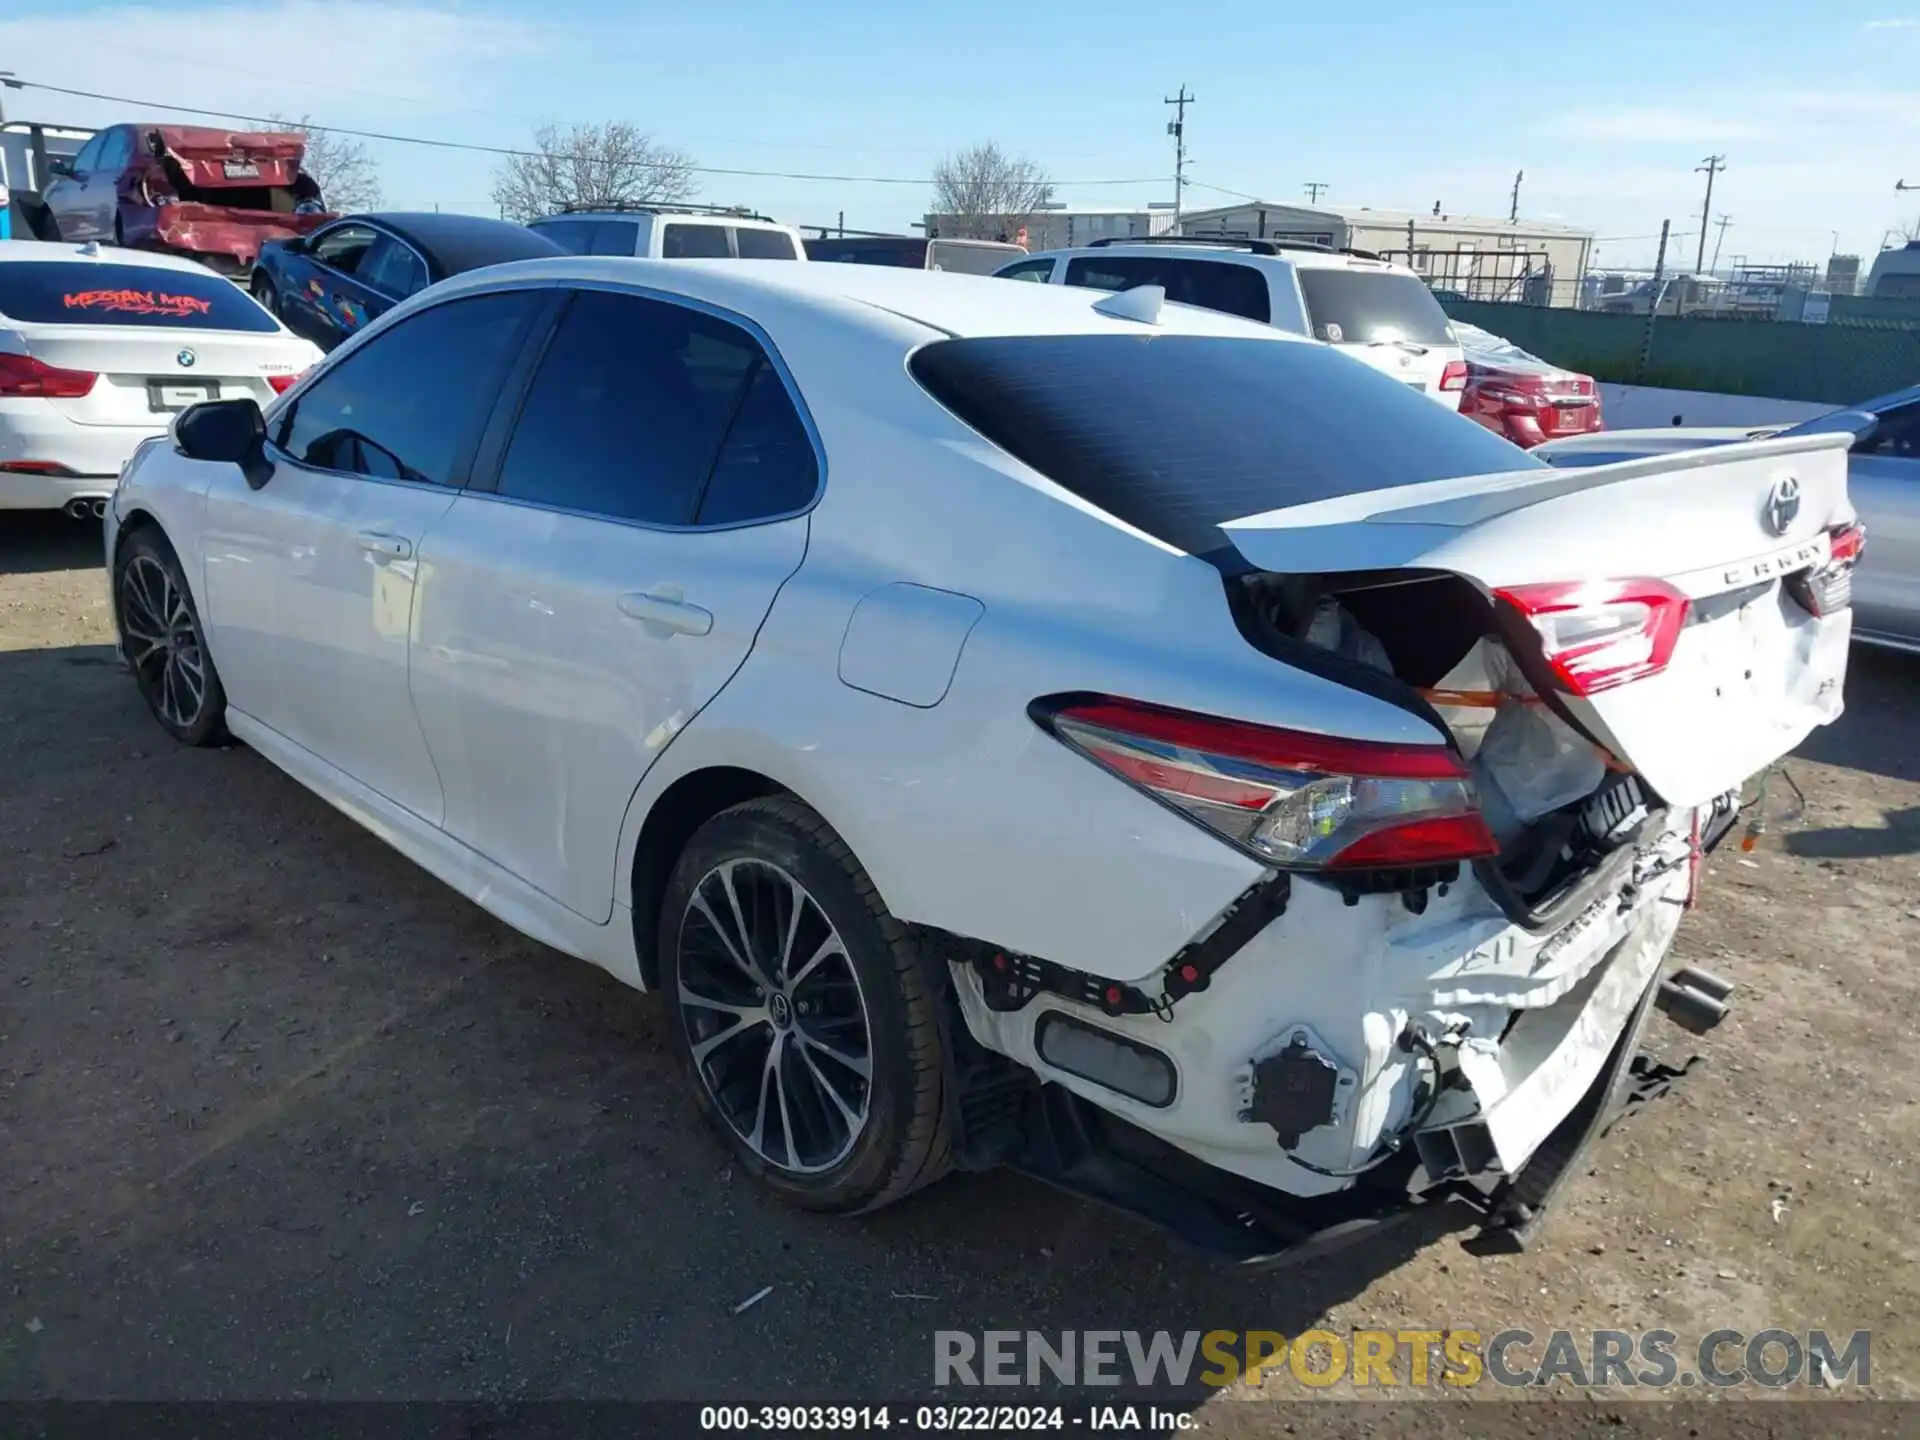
(285, 1116)
(35, 541)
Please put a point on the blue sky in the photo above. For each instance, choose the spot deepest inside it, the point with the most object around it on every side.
(1607, 110)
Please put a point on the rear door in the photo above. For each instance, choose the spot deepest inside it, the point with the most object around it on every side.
(388, 273)
(647, 504)
(158, 339)
(1383, 317)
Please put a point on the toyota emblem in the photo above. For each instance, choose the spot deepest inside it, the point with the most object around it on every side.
(1783, 504)
(186, 358)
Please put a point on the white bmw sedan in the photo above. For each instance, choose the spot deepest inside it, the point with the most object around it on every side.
(1012, 724)
(100, 348)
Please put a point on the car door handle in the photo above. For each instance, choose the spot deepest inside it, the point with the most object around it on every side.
(666, 613)
(391, 547)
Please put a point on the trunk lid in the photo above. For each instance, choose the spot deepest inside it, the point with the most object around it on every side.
(211, 158)
(142, 378)
(1751, 671)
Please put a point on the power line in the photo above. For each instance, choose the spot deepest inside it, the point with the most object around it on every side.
(505, 150)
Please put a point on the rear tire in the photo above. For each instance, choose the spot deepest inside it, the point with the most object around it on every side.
(264, 292)
(819, 1060)
(163, 642)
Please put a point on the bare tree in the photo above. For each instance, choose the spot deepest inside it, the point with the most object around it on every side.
(983, 193)
(590, 165)
(340, 165)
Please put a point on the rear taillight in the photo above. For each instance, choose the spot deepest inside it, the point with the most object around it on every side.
(22, 376)
(283, 383)
(1294, 799)
(1454, 377)
(35, 467)
(1598, 635)
(1827, 589)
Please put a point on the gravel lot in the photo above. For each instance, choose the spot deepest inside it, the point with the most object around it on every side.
(282, 1116)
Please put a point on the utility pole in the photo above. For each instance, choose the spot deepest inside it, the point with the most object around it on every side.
(1313, 189)
(1718, 241)
(1177, 127)
(1513, 210)
(1659, 292)
(1710, 167)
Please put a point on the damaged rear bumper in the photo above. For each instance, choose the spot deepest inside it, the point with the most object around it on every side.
(221, 236)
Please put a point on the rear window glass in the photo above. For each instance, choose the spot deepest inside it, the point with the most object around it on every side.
(908, 253)
(1178, 434)
(615, 237)
(965, 259)
(764, 244)
(63, 292)
(573, 236)
(1347, 307)
(1209, 284)
(695, 242)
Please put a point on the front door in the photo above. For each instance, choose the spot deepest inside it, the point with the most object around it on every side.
(604, 579)
(313, 304)
(312, 580)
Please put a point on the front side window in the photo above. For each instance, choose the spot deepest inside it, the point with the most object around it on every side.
(695, 242)
(625, 416)
(117, 150)
(89, 157)
(343, 247)
(408, 403)
(1223, 285)
(1040, 270)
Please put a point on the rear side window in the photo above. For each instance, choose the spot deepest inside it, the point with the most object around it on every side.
(1178, 434)
(615, 237)
(72, 292)
(1210, 284)
(626, 412)
(573, 236)
(1349, 307)
(406, 405)
(767, 465)
(764, 244)
(695, 242)
(393, 266)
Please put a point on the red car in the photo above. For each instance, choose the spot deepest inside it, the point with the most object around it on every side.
(210, 194)
(1521, 396)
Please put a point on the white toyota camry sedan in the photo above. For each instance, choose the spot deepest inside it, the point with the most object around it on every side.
(101, 347)
(1013, 724)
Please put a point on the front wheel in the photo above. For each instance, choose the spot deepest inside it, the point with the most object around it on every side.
(164, 645)
(802, 1011)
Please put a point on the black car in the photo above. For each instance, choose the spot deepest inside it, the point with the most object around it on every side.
(328, 284)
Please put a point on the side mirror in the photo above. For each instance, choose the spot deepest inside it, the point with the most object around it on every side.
(231, 432)
(60, 167)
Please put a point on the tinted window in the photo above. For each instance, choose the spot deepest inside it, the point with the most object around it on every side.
(71, 292)
(1358, 306)
(695, 242)
(615, 237)
(907, 252)
(393, 267)
(89, 154)
(1041, 270)
(1177, 434)
(964, 259)
(1209, 284)
(117, 150)
(343, 247)
(764, 244)
(573, 236)
(767, 465)
(625, 414)
(405, 405)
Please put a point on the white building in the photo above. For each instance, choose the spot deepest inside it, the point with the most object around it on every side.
(1056, 229)
(1481, 258)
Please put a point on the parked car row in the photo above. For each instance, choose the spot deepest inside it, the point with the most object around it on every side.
(1004, 741)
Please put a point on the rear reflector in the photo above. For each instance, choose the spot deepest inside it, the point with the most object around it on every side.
(1454, 377)
(22, 376)
(1292, 798)
(1600, 635)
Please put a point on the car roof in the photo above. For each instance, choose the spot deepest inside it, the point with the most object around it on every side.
(16, 251)
(939, 300)
(705, 216)
(461, 242)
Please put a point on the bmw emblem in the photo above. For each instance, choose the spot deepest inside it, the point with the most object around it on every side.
(186, 359)
(1783, 505)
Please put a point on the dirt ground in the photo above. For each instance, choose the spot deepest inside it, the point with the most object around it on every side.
(282, 1116)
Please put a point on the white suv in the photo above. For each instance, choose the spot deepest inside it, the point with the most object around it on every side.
(672, 233)
(1375, 311)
